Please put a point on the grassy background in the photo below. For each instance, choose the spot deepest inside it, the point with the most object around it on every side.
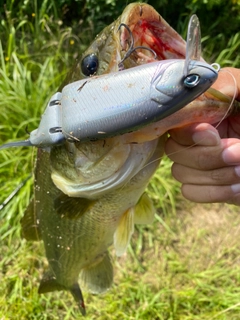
(185, 265)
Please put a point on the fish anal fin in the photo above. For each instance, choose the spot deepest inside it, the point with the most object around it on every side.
(98, 277)
(144, 210)
(30, 224)
(49, 284)
(72, 208)
(124, 232)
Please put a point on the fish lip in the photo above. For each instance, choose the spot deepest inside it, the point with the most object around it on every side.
(150, 30)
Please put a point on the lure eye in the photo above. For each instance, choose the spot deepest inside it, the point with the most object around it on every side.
(89, 65)
(192, 80)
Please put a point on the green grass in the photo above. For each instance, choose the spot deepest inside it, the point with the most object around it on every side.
(185, 266)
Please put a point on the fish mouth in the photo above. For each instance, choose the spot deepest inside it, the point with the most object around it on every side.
(149, 30)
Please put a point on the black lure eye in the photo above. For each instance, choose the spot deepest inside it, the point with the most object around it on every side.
(89, 65)
(192, 80)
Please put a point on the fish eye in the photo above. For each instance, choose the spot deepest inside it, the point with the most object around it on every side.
(89, 65)
(191, 80)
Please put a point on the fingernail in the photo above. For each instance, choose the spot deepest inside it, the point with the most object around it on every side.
(235, 188)
(206, 138)
(237, 170)
(231, 155)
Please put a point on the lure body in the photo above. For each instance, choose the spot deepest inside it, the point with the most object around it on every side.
(116, 103)
(108, 105)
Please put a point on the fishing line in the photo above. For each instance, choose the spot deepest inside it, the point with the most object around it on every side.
(233, 98)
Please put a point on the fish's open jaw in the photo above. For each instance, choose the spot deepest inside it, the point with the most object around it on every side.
(150, 30)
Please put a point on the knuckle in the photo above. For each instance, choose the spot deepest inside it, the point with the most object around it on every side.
(204, 160)
(177, 172)
(207, 160)
(218, 175)
(224, 176)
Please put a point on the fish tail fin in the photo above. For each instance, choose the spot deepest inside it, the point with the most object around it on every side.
(78, 297)
(49, 283)
(98, 277)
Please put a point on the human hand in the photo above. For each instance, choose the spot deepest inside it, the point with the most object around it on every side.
(209, 170)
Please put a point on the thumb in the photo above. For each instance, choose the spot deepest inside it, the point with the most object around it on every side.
(202, 134)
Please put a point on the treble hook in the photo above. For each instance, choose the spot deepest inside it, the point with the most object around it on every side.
(131, 47)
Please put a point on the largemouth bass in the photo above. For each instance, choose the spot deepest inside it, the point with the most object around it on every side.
(88, 195)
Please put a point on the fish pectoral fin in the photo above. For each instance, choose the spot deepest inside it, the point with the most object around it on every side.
(144, 210)
(30, 227)
(124, 232)
(142, 213)
(49, 283)
(98, 277)
(72, 208)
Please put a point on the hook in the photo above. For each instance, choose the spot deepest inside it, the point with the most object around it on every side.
(131, 47)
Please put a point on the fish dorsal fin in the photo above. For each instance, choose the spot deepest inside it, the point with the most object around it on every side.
(72, 208)
(193, 46)
(30, 224)
(98, 277)
(124, 232)
(144, 210)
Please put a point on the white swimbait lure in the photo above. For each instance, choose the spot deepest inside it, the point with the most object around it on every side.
(103, 106)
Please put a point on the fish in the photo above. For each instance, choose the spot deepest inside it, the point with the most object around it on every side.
(88, 195)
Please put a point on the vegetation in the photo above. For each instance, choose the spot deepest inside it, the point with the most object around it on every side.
(185, 265)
